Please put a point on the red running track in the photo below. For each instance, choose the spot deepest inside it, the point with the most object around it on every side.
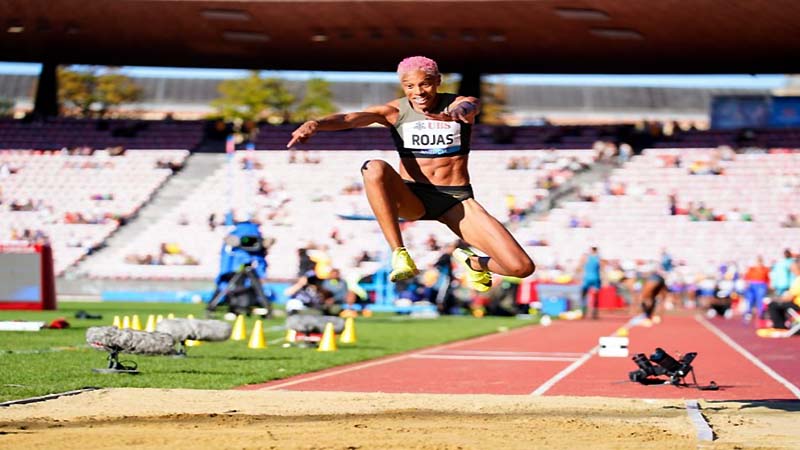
(554, 360)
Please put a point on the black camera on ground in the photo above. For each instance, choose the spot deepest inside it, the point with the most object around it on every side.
(676, 370)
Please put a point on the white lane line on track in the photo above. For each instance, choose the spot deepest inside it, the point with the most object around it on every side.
(725, 338)
(574, 366)
(508, 353)
(379, 362)
(493, 357)
(566, 371)
(701, 427)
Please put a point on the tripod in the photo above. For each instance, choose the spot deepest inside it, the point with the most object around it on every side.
(236, 288)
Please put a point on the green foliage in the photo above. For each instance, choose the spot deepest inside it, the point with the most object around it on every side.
(91, 93)
(52, 361)
(494, 98)
(318, 101)
(6, 107)
(254, 98)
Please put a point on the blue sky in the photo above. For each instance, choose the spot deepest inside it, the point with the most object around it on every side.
(686, 81)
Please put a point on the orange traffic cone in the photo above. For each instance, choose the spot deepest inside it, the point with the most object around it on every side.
(328, 341)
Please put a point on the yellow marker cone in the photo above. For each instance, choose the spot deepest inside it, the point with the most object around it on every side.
(170, 316)
(126, 322)
(151, 324)
(257, 337)
(328, 341)
(136, 323)
(349, 334)
(159, 318)
(190, 342)
(239, 332)
(622, 331)
(291, 335)
(117, 323)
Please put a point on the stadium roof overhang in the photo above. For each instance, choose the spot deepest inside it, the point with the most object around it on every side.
(545, 36)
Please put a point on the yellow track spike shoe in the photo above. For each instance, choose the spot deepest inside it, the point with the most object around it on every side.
(480, 280)
(403, 266)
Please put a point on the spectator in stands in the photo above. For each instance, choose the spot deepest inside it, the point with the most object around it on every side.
(702, 214)
(264, 187)
(791, 221)
(355, 187)
(789, 300)
(336, 236)
(673, 204)
(431, 132)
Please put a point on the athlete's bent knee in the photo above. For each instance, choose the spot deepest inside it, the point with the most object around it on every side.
(374, 169)
(521, 268)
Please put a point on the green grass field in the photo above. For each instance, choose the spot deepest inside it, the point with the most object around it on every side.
(52, 361)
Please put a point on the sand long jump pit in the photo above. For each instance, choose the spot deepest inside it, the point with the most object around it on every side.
(192, 419)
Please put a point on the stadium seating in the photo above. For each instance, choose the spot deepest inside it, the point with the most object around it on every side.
(637, 225)
(57, 133)
(304, 204)
(76, 201)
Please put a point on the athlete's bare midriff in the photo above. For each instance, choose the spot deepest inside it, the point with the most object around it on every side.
(442, 171)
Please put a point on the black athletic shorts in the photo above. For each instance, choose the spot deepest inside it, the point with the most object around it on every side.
(438, 199)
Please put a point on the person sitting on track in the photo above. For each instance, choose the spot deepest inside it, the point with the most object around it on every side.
(431, 131)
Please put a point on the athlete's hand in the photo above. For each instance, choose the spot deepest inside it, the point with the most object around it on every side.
(302, 133)
(464, 111)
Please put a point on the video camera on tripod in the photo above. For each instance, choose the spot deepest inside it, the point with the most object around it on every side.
(676, 370)
(243, 265)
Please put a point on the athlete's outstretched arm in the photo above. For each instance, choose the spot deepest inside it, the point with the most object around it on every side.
(463, 109)
(344, 121)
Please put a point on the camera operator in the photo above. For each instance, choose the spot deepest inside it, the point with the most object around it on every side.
(307, 296)
(789, 300)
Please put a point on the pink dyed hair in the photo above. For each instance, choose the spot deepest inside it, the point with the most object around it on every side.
(413, 63)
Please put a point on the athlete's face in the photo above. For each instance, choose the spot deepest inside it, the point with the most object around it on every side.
(420, 88)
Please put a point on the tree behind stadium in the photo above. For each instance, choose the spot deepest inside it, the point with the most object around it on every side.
(90, 93)
(318, 101)
(253, 99)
